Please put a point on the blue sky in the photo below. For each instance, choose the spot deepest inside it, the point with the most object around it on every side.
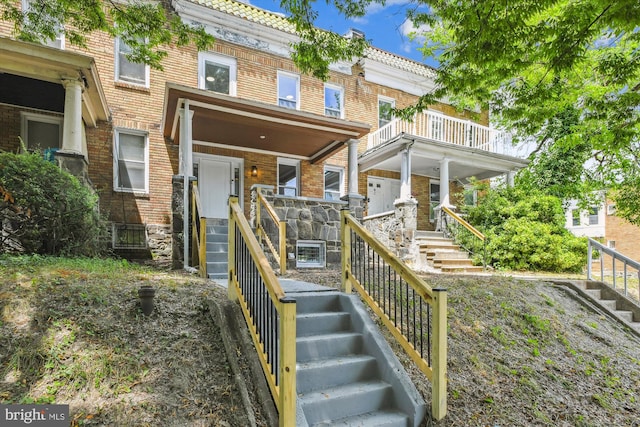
(385, 26)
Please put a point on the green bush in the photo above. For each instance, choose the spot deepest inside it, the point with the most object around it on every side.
(46, 210)
(525, 231)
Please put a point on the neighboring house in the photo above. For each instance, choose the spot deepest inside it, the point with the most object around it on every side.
(234, 117)
(601, 223)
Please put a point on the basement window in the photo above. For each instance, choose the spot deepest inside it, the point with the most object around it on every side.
(310, 253)
(129, 236)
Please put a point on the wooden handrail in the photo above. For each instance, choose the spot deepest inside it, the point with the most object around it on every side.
(280, 252)
(464, 223)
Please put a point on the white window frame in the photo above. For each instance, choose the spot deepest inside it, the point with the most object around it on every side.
(116, 145)
(228, 61)
(58, 42)
(340, 170)
(611, 209)
(321, 245)
(611, 244)
(388, 100)
(284, 74)
(432, 214)
(26, 117)
(340, 89)
(594, 218)
(117, 68)
(288, 162)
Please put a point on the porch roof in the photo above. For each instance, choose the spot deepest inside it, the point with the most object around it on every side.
(426, 154)
(243, 124)
(54, 65)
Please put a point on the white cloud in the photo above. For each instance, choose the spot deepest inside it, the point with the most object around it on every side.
(377, 7)
(407, 28)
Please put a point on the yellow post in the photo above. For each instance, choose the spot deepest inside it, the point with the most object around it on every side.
(282, 238)
(231, 251)
(345, 239)
(287, 386)
(203, 247)
(439, 363)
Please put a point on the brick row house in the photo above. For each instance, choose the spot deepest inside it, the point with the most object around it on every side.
(237, 118)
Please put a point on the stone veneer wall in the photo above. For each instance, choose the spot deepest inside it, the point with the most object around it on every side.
(307, 219)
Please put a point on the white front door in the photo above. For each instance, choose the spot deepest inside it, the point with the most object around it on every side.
(217, 179)
(382, 192)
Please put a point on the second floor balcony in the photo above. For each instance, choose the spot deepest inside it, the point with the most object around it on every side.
(442, 128)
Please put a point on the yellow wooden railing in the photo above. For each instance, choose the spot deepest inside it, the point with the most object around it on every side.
(198, 233)
(414, 313)
(280, 253)
(269, 313)
(450, 230)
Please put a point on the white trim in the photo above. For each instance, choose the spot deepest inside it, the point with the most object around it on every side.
(386, 99)
(26, 117)
(289, 162)
(231, 160)
(322, 253)
(392, 77)
(229, 61)
(116, 146)
(340, 89)
(116, 61)
(340, 170)
(296, 77)
(249, 150)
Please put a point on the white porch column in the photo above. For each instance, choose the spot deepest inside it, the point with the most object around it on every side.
(405, 174)
(352, 145)
(444, 182)
(72, 126)
(186, 169)
(510, 178)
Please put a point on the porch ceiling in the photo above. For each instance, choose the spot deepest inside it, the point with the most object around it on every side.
(53, 65)
(253, 126)
(464, 162)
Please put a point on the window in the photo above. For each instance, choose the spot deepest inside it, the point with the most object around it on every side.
(131, 155)
(127, 71)
(593, 216)
(385, 106)
(288, 173)
(288, 90)
(40, 132)
(333, 182)
(310, 253)
(611, 209)
(333, 101)
(129, 236)
(611, 244)
(41, 19)
(575, 217)
(434, 198)
(217, 73)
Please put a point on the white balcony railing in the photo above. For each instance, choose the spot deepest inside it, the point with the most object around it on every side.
(442, 128)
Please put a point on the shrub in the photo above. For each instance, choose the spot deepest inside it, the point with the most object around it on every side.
(46, 210)
(525, 231)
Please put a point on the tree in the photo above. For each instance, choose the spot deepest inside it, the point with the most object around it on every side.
(146, 27)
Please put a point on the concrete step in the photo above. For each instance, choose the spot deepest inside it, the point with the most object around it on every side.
(625, 315)
(217, 229)
(218, 247)
(328, 345)
(322, 323)
(423, 234)
(441, 262)
(222, 238)
(324, 373)
(218, 256)
(442, 246)
(462, 269)
(594, 293)
(326, 405)
(217, 267)
(371, 419)
(327, 301)
(450, 255)
(610, 304)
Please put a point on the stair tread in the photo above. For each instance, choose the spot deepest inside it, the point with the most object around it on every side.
(329, 335)
(339, 392)
(370, 419)
(339, 360)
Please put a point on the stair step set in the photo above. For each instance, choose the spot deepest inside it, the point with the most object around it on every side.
(443, 254)
(346, 372)
(217, 248)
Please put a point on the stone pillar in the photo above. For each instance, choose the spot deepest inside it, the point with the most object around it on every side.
(177, 223)
(72, 126)
(405, 175)
(407, 249)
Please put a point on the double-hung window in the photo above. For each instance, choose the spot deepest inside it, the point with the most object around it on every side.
(37, 17)
(288, 177)
(128, 71)
(333, 101)
(289, 90)
(385, 108)
(593, 216)
(131, 161)
(41, 132)
(333, 182)
(217, 73)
